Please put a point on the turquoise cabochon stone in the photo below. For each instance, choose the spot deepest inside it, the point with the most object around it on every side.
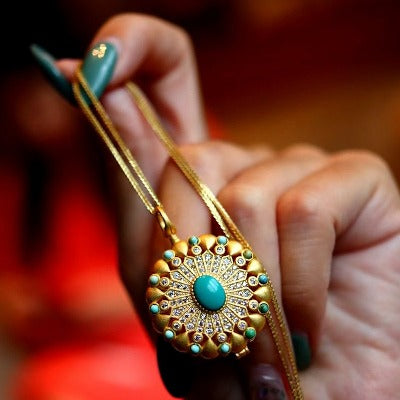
(209, 292)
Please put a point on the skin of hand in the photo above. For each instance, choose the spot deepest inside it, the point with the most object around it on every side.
(326, 226)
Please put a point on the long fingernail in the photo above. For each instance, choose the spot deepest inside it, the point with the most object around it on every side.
(47, 65)
(302, 350)
(98, 67)
(266, 383)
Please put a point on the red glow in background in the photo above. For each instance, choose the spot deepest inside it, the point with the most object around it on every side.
(278, 72)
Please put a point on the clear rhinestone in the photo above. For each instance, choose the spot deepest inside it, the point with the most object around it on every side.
(164, 282)
(177, 275)
(220, 249)
(226, 260)
(197, 337)
(221, 337)
(196, 250)
(189, 261)
(241, 275)
(164, 305)
(176, 262)
(252, 281)
(177, 325)
(241, 261)
(242, 325)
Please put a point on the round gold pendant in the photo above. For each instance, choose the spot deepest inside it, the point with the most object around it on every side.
(208, 296)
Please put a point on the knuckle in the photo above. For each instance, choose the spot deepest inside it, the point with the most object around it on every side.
(304, 150)
(148, 26)
(298, 206)
(262, 149)
(143, 22)
(184, 40)
(244, 202)
(198, 155)
(364, 158)
(121, 17)
(203, 155)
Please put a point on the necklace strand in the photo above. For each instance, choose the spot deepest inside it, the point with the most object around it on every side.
(142, 186)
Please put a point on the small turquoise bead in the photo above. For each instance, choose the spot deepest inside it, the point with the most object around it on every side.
(250, 333)
(168, 255)
(169, 334)
(154, 309)
(193, 240)
(247, 254)
(225, 348)
(209, 292)
(154, 279)
(263, 279)
(222, 240)
(263, 308)
(195, 348)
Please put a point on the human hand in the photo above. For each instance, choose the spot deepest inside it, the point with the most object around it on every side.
(318, 222)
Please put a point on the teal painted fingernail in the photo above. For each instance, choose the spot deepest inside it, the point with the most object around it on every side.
(98, 67)
(47, 65)
(302, 350)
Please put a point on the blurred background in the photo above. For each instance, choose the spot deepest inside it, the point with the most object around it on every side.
(277, 71)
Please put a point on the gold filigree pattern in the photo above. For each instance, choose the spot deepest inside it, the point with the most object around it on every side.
(204, 323)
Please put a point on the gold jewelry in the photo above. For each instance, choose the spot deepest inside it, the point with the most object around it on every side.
(208, 295)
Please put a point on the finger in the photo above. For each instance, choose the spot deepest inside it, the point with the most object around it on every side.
(136, 228)
(182, 203)
(211, 164)
(162, 51)
(329, 208)
(185, 376)
(251, 200)
(192, 218)
(160, 55)
(251, 197)
(216, 163)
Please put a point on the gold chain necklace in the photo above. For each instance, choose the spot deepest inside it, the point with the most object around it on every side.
(208, 295)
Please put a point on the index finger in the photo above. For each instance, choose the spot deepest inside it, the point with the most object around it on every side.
(161, 56)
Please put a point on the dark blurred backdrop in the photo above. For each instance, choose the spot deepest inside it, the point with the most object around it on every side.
(277, 71)
(325, 72)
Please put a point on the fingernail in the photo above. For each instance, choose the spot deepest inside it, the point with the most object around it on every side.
(47, 65)
(266, 383)
(302, 350)
(98, 67)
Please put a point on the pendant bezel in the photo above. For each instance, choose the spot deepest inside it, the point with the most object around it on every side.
(172, 299)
